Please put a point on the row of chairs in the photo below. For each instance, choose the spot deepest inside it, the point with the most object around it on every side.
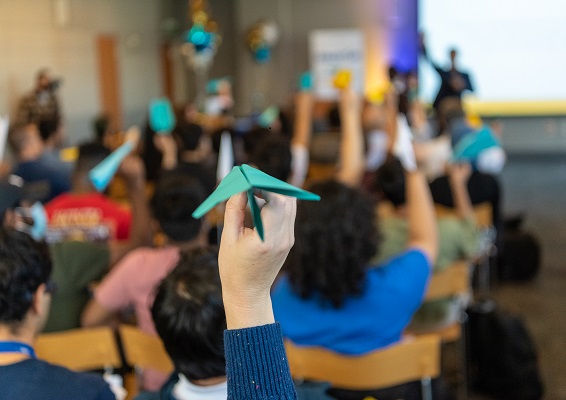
(416, 358)
(100, 349)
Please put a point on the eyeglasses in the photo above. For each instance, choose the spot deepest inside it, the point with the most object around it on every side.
(50, 287)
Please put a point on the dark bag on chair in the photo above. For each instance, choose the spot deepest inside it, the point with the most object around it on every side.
(519, 258)
(503, 358)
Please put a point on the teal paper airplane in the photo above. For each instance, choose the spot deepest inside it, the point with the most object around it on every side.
(246, 179)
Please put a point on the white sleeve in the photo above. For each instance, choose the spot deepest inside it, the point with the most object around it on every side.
(299, 165)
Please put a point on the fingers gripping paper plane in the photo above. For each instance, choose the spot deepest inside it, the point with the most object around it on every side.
(245, 179)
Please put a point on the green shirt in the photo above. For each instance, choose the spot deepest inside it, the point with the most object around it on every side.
(458, 239)
(75, 266)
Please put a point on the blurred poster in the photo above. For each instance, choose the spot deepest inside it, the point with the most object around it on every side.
(332, 51)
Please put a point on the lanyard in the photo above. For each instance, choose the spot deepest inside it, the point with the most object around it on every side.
(17, 347)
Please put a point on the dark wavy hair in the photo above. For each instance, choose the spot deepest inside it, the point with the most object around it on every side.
(334, 241)
(188, 313)
(175, 198)
(24, 265)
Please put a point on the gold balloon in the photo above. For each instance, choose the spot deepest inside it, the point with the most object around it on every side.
(200, 18)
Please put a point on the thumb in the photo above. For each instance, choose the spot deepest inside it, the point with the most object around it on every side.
(234, 217)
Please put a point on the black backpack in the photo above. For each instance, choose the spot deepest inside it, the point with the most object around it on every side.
(520, 253)
(502, 359)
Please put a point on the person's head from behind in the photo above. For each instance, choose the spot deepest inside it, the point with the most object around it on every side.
(25, 289)
(90, 155)
(335, 240)
(272, 155)
(188, 313)
(43, 79)
(172, 205)
(390, 181)
(52, 132)
(25, 141)
(188, 135)
(453, 52)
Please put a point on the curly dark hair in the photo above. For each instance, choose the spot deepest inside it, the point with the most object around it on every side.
(335, 239)
(24, 265)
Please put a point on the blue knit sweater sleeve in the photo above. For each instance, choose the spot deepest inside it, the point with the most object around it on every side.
(256, 364)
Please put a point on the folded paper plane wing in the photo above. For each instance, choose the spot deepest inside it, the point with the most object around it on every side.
(246, 179)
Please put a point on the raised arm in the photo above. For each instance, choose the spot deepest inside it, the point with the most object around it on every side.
(301, 138)
(133, 171)
(256, 364)
(422, 217)
(420, 209)
(458, 175)
(352, 164)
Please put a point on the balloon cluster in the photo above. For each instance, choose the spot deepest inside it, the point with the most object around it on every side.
(202, 40)
(261, 38)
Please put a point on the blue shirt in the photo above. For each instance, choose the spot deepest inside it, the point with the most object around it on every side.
(376, 319)
(57, 175)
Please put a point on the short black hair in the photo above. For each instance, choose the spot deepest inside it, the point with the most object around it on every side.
(254, 137)
(176, 197)
(100, 127)
(90, 154)
(24, 265)
(189, 316)
(48, 127)
(335, 240)
(390, 181)
(189, 135)
(272, 155)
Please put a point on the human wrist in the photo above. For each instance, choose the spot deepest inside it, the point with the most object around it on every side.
(247, 310)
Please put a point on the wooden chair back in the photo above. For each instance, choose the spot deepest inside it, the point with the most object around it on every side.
(144, 351)
(453, 281)
(413, 359)
(482, 212)
(80, 349)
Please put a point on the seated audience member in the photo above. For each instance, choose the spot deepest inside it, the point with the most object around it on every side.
(34, 164)
(84, 214)
(256, 364)
(187, 152)
(458, 237)
(189, 317)
(132, 281)
(25, 295)
(330, 295)
(52, 132)
(253, 344)
(79, 260)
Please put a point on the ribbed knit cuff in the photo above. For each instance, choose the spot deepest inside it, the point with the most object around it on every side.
(256, 364)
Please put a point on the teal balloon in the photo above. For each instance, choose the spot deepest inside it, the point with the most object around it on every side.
(161, 116)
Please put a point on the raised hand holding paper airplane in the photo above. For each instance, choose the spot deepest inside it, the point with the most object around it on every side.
(342, 79)
(102, 174)
(245, 179)
(225, 156)
(4, 126)
(403, 146)
(161, 116)
(268, 116)
(468, 148)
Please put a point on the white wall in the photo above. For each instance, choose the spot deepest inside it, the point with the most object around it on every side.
(30, 39)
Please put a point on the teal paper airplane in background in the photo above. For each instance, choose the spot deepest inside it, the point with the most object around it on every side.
(245, 179)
